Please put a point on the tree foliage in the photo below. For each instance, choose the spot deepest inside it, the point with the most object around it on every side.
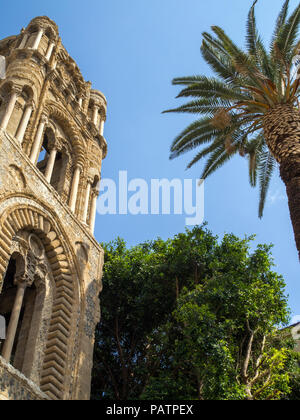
(188, 318)
(221, 335)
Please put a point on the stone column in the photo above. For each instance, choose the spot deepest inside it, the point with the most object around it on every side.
(24, 122)
(50, 164)
(10, 107)
(95, 114)
(38, 39)
(38, 140)
(14, 319)
(102, 127)
(87, 200)
(50, 50)
(24, 41)
(80, 102)
(95, 195)
(74, 189)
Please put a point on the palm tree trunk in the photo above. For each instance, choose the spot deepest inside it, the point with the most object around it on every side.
(282, 134)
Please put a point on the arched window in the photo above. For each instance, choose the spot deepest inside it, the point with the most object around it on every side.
(17, 113)
(45, 41)
(53, 160)
(22, 303)
(7, 295)
(5, 92)
(58, 172)
(33, 32)
(22, 113)
(90, 110)
(7, 306)
(95, 182)
(44, 153)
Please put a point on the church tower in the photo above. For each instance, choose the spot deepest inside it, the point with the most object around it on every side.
(51, 151)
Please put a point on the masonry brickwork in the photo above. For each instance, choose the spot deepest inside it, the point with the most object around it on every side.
(51, 151)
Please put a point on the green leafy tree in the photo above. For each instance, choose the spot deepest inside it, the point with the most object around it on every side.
(141, 286)
(293, 365)
(222, 342)
(179, 315)
(294, 375)
(251, 107)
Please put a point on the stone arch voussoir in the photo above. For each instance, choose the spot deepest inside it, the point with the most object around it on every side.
(55, 363)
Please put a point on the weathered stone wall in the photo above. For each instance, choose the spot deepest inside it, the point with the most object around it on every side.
(15, 386)
(22, 186)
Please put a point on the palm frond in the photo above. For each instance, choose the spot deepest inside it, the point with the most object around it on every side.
(252, 35)
(219, 63)
(287, 36)
(247, 85)
(222, 152)
(215, 43)
(210, 87)
(203, 106)
(193, 144)
(281, 20)
(188, 80)
(203, 123)
(218, 142)
(242, 62)
(265, 63)
(228, 44)
(255, 45)
(266, 166)
(197, 134)
(217, 159)
(253, 149)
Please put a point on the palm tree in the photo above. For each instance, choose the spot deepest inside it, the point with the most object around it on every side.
(250, 108)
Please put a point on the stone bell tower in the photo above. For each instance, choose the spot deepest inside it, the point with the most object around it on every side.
(51, 150)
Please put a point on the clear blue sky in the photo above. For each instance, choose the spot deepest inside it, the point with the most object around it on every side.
(131, 50)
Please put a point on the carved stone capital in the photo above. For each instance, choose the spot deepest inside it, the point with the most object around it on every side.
(44, 119)
(16, 89)
(18, 106)
(31, 104)
(90, 179)
(56, 144)
(77, 165)
(95, 192)
(33, 268)
(24, 281)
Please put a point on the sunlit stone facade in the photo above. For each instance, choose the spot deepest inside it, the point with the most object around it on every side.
(51, 151)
